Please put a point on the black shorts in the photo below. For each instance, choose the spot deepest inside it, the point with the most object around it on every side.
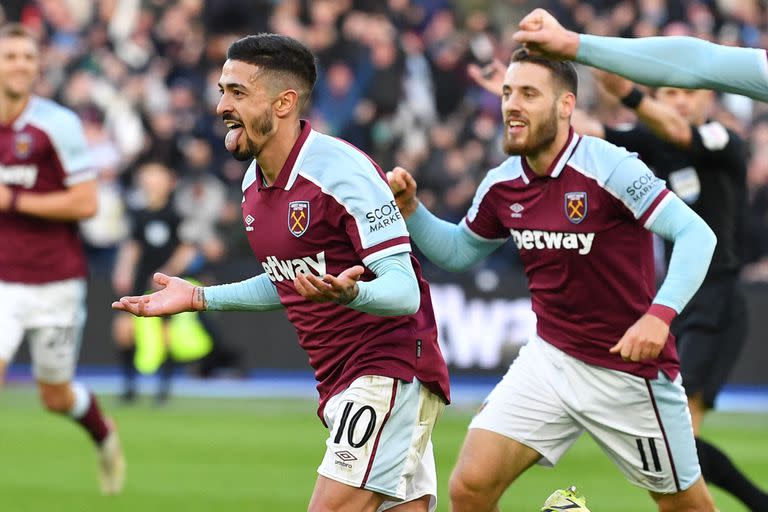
(711, 332)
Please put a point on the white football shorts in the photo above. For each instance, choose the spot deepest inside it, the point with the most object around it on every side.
(51, 317)
(380, 439)
(548, 398)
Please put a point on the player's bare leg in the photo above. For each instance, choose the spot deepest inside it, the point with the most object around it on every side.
(79, 403)
(332, 496)
(417, 505)
(3, 365)
(694, 499)
(698, 408)
(487, 465)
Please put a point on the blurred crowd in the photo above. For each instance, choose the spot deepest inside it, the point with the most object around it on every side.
(142, 74)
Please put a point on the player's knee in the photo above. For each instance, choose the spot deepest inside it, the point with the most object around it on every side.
(467, 487)
(55, 400)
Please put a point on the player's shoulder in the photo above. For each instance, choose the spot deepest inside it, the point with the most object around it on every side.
(61, 125)
(508, 170)
(338, 167)
(597, 158)
(50, 116)
(715, 136)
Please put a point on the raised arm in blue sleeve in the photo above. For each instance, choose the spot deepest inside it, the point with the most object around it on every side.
(450, 246)
(394, 292)
(679, 62)
(255, 294)
(694, 243)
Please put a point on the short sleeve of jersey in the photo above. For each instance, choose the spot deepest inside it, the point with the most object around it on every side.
(622, 175)
(68, 138)
(373, 221)
(482, 218)
(635, 185)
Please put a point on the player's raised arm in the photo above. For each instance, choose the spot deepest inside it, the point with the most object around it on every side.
(451, 246)
(657, 61)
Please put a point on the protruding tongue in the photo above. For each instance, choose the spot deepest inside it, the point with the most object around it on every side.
(233, 135)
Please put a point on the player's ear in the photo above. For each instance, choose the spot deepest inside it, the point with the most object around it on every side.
(566, 104)
(286, 102)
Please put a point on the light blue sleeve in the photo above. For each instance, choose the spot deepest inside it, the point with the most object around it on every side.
(694, 243)
(451, 246)
(679, 62)
(635, 185)
(254, 294)
(394, 292)
(66, 133)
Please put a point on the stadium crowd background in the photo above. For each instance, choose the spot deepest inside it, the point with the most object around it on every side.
(142, 75)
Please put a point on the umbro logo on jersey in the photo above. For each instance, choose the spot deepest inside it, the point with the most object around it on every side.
(248, 221)
(517, 210)
(576, 206)
(298, 217)
(536, 239)
(280, 270)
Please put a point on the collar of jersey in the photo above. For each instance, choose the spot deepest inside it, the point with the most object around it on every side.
(21, 120)
(558, 164)
(289, 170)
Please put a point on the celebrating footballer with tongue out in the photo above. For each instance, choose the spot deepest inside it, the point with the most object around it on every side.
(348, 282)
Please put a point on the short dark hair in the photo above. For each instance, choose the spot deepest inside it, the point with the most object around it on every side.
(279, 54)
(563, 70)
(9, 30)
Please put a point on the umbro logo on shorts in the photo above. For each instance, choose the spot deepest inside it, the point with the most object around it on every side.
(345, 456)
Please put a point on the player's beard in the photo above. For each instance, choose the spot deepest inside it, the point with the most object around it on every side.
(538, 139)
(261, 127)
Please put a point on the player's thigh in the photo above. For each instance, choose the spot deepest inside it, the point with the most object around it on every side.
(15, 303)
(644, 426)
(696, 497)
(526, 406)
(379, 438)
(332, 496)
(488, 463)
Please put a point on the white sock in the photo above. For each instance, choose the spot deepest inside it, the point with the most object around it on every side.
(82, 400)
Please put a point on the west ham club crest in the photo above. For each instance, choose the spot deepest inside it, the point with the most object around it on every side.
(298, 217)
(576, 206)
(22, 145)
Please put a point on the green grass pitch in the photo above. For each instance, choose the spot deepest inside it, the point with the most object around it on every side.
(261, 455)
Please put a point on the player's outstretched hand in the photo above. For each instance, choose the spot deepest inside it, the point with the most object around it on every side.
(490, 77)
(342, 289)
(644, 340)
(542, 34)
(403, 187)
(175, 296)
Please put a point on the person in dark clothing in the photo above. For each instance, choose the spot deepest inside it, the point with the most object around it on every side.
(155, 244)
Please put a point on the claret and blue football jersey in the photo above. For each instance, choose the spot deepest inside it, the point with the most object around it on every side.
(331, 209)
(43, 150)
(584, 244)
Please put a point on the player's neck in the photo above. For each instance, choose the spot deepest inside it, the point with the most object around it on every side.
(541, 161)
(276, 151)
(11, 108)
